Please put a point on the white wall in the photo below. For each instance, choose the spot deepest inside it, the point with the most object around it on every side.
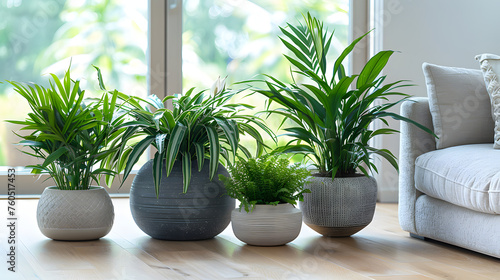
(444, 32)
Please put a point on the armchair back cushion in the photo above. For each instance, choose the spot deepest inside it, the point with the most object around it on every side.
(459, 104)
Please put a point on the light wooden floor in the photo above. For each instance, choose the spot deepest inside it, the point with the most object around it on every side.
(381, 251)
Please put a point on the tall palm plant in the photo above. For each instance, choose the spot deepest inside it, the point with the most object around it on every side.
(332, 113)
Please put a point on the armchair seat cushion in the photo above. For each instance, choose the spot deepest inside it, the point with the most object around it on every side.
(467, 176)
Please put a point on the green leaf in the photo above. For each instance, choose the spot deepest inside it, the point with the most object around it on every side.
(155, 101)
(103, 171)
(297, 38)
(345, 53)
(296, 63)
(303, 134)
(136, 153)
(214, 150)
(157, 116)
(174, 143)
(246, 128)
(301, 37)
(383, 131)
(231, 131)
(112, 105)
(363, 170)
(129, 132)
(385, 154)
(246, 152)
(160, 142)
(200, 154)
(54, 156)
(99, 78)
(73, 113)
(186, 171)
(74, 93)
(294, 149)
(157, 172)
(88, 126)
(168, 97)
(123, 160)
(56, 99)
(297, 53)
(170, 119)
(32, 143)
(373, 68)
(401, 118)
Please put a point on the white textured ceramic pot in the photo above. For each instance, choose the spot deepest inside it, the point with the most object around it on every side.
(267, 225)
(341, 207)
(75, 215)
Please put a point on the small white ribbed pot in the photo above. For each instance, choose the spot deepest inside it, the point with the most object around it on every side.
(75, 215)
(267, 225)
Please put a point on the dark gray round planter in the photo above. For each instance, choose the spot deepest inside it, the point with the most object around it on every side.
(201, 213)
(341, 207)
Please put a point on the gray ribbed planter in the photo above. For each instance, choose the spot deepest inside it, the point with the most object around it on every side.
(201, 213)
(75, 215)
(267, 225)
(340, 207)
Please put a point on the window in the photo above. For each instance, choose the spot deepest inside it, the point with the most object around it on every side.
(41, 37)
(159, 47)
(239, 39)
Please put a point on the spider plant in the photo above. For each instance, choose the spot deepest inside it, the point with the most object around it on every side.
(266, 180)
(332, 112)
(201, 126)
(77, 139)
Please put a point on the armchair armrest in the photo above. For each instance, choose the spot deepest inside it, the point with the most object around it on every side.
(413, 143)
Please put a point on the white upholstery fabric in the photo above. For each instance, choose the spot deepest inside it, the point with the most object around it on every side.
(490, 65)
(459, 104)
(457, 225)
(467, 176)
(414, 142)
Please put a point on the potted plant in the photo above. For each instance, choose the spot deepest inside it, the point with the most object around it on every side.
(177, 195)
(268, 189)
(331, 115)
(77, 141)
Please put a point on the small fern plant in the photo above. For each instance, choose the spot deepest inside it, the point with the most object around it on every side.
(266, 180)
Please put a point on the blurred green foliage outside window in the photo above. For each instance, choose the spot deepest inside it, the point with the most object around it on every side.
(234, 38)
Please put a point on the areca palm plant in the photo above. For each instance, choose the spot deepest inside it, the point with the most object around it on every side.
(331, 111)
(77, 139)
(202, 125)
